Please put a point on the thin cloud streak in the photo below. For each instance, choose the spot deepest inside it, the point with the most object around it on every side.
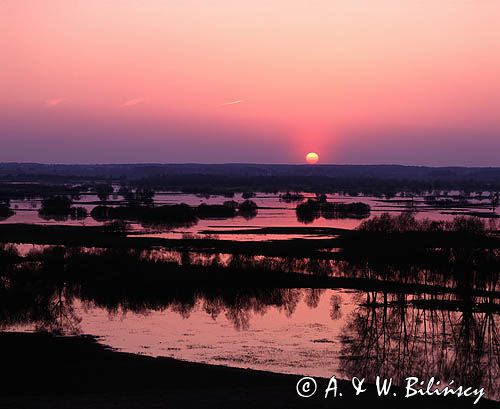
(134, 102)
(53, 102)
(238, 101)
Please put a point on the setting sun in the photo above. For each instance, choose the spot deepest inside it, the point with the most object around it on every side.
(312, 158)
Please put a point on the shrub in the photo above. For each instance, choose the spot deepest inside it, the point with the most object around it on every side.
(248, 195)
(5, 211)
(292, 197)
(406, 222)
(215, 211)
(248, 209)
(312, 209)
(103, 191)
(56, 205)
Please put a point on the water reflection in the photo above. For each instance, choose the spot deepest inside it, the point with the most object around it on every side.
(388, 335)
(451, 335)
(394, 335)
(273, 211)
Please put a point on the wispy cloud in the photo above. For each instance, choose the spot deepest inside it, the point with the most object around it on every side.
(134, 102)
(53, 102)
(238, 101)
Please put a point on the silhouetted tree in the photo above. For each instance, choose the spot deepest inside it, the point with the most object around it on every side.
(5, 211)
(248, 195)
(495, 200)
(292, 197)
(103, 191)
(56, 205)
(313, 209)
(59, 208)
(248, 209)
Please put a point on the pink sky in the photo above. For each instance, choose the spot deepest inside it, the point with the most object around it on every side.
(386, 81)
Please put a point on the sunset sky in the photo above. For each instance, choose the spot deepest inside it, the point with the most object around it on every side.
(358, 81)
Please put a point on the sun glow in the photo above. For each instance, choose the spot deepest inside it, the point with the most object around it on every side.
(312, 158)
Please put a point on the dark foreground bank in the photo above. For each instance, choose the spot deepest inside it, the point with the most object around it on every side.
(44, 371)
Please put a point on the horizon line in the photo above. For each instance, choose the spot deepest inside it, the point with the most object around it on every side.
(241, 164)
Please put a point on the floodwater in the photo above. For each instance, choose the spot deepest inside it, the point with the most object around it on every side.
(312, 332)
(452, 334)
(340, 332)
(272, 212)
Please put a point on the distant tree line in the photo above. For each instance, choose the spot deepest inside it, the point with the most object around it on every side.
(177, 213)
(142, 190)
(351, 186)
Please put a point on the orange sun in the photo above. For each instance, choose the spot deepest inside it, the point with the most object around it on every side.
(312, 158)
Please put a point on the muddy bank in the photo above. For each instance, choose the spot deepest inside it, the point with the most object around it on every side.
(45, 371)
